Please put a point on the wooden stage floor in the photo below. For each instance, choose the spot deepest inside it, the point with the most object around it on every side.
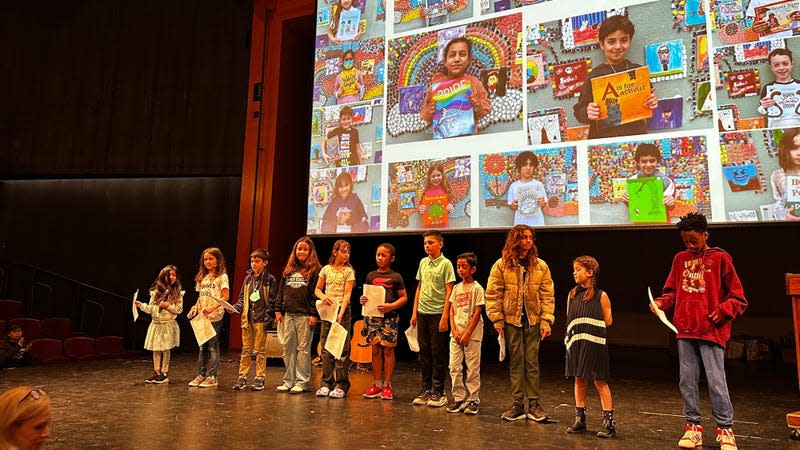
(105, 404)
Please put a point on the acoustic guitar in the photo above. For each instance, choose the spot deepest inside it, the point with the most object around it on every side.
(360, 350)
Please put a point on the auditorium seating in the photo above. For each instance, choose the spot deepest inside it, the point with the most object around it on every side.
(10, 309)
(47, 351)
(80, 347)
(57, 328)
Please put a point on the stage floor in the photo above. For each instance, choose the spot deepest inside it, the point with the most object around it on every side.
(105, 404)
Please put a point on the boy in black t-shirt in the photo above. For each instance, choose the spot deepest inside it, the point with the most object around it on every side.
(382, 331)
(345, 150)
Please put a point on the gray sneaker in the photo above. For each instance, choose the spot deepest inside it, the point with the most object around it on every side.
(422, 398)
(437, 400)
(258, 384)
(241, 382)
(471, 408)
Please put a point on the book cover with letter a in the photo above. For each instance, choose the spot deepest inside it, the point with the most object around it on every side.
(453, 115)
(622, 96)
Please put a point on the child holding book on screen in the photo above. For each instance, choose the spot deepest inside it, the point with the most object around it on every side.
(341, 145)
(436, 202)
(349, 83)
(780, 64)
(616, 35)
(346, 22)
(527, 196)
(647, 159)
(788, 174)
(345, 213)
(449, 88)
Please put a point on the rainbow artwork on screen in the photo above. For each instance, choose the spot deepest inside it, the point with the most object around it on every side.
(466, 114)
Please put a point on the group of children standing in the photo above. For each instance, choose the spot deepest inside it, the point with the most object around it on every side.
(519, 300)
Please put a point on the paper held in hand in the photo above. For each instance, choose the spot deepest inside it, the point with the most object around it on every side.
(411, 336)
(337, 338)
(327, 312)
(501, 341)
(228, 307)
(376, 296)
(661, 316)
(203, 330)
(135, 310)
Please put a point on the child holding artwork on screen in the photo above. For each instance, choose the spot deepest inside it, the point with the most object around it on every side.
(349, 83)
(436, 202)
(588, 316)
(527, 196)
(341, 146)
(334, 286)
(707, 296)
(647, 159)
(455, 95)
(788, 174)
(781, 64)
(345, 213)
(616, 35)
(211, 283)
(382, 331)
(466, 305)
(346, 22)
(163, 334)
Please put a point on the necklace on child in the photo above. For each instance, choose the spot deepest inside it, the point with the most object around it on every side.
(627, 66)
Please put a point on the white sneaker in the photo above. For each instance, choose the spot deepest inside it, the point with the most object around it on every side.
(296, 389)
(196, 381)
(336, 393)
(323, 391)
(282, 388)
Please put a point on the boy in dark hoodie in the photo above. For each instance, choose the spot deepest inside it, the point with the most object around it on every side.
(256, 305)
(707, 295)
(14, 349)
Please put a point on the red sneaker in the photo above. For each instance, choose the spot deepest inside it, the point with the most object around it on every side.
(373, 392)
(387, 393)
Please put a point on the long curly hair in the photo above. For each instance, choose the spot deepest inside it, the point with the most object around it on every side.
(219, 270)
(512, 250)
(164, 290)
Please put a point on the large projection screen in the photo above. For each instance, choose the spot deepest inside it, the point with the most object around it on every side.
(456, 114)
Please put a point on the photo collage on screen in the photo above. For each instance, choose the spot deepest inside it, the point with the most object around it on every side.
(457, 114)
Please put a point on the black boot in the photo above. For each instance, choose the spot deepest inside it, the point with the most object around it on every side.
(609, 428)
(580, 421)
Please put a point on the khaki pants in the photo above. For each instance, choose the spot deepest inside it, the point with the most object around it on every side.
(472, 354)
(254, 337)
(523, 360)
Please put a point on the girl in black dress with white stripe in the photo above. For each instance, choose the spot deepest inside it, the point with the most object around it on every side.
(588, 315)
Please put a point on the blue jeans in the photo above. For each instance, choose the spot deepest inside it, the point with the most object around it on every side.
(690, 353)
(298, 335)
(209, 353)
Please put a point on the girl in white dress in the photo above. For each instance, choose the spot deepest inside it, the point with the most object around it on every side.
(163, 334)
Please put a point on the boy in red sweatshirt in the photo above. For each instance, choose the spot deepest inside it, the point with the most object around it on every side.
(707, 295)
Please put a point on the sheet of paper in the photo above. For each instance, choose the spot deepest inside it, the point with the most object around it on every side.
(661, 316)
(282, 331)
(411, 335)
(376, 296)
(135, 310)
(337, 338)
(228, 307)
(203, 330)
(501, 341)
(327, 312)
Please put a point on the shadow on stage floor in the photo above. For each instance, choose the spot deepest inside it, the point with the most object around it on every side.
(105, 404)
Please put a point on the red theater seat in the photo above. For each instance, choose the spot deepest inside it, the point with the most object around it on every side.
(31, 328)
(47, 351)
(79, 348)
(2, 328)
(10, 309)
(57, 328)
(111, 347)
